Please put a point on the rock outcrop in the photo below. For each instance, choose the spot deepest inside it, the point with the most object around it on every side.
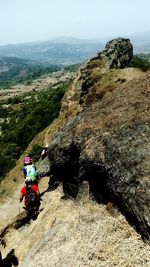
(117, 54)
(108, 141)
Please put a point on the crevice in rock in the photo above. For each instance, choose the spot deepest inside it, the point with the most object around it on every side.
(73, 173)
(99, 191)
(66, 171)
(97, 176)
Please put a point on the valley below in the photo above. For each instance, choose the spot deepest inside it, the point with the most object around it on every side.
(95, 122)
(43, 83)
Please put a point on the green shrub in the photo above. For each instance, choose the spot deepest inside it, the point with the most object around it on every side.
(24, 124)
(14, 100)
(140, 62)
(35, 152)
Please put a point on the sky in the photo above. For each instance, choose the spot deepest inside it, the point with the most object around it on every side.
(40, 20)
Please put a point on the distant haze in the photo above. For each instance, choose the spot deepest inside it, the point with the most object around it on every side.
(39, 20)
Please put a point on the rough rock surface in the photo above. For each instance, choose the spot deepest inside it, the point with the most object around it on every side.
(108, 141)
(117, 54)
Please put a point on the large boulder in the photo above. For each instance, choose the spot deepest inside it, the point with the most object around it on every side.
(107, 142)
(117, 54)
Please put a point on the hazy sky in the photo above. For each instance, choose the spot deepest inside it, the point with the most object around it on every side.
(37, 20)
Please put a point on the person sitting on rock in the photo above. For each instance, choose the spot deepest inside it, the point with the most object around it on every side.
(44, 153)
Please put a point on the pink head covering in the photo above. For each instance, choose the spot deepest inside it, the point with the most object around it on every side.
(27, 160)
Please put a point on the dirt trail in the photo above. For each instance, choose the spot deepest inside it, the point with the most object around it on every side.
(77, 233)
(72, 233)
(11, 207)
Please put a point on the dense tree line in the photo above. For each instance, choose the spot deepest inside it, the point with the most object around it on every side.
(140, 61)
(35, 114)
(23, 73)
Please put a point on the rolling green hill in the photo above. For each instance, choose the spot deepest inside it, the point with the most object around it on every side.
(17, 70)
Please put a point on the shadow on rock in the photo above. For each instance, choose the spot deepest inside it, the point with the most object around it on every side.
(10, 260)
(32, 214)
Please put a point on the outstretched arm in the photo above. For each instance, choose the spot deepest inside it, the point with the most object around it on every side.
(24, 172)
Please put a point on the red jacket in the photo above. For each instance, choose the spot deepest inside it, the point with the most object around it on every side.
(24, 192)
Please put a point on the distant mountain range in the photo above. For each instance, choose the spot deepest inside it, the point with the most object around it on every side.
(58, 51)
(67, 51)
(141, 42)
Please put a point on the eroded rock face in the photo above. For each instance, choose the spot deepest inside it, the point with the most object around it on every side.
(107, 142)
(117, 54)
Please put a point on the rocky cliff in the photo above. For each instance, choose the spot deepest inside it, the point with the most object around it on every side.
(101, 136)
(107, 141)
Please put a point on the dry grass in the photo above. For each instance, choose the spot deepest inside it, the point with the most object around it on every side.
(71, 233)
(77, 233)
(10, 187)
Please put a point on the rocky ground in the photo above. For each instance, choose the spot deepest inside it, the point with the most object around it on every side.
(76, 233)
(107, 142)
(104, 121)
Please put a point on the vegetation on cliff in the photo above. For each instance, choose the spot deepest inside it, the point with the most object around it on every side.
(140, 61)
(101, 136)
(23, 120)
(17, 70)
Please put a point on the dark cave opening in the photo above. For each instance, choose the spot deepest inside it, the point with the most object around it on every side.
(72, 171)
